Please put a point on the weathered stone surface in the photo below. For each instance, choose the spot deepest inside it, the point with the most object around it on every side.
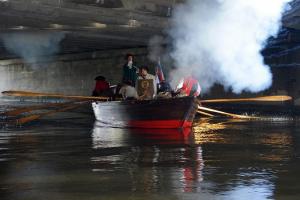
(70, 74)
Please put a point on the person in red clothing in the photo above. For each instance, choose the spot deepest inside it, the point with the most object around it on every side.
(101, 87)
(189, 86)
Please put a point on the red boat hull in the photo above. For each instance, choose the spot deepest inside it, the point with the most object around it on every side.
(159, 123)
(162, 113)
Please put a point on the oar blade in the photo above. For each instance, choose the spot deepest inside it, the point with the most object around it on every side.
(31, 118)
(275, 98)
(47, 106)
(27, 119)
(36, 94)
(278, 98)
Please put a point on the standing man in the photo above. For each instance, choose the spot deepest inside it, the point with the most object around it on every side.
(129, 70)
(146, 84)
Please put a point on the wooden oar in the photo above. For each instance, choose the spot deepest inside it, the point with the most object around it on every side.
(205, 113)
(265, 98)
(37, 94)
(21, 110)
(226, 113)
(30, 118)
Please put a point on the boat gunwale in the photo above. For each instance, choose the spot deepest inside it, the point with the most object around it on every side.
(141, 102)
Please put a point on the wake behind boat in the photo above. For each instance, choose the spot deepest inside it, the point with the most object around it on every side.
(160, 113)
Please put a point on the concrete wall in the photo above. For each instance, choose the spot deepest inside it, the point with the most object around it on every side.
(70, 74)
(74, 74)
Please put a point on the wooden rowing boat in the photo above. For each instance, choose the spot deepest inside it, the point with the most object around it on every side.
(160, 113)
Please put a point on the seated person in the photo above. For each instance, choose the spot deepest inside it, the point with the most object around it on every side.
(164, 90)
(117, 95)
(188, 87)
(101, 87)
(146, 85)
(128, 92)
(164, 86)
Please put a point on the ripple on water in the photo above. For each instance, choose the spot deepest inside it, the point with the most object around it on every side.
(69, 158)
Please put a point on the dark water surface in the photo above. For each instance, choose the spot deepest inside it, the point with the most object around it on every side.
(67, 156)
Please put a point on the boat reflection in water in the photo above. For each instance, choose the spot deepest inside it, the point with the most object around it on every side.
(156, 158)
(228, 159)
(106, 135)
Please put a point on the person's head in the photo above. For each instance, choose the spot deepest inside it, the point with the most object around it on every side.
(143, 70)
(129, 57)
(100, 78)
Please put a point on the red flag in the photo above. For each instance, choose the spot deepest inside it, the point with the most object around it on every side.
(159, 73)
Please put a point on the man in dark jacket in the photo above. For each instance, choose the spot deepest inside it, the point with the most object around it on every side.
(129, 70)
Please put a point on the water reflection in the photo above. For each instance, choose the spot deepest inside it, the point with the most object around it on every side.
(104, 136)
(248, 152)
(222, 159)
(149, 156)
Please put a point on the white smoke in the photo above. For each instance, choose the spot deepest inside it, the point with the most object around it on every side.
(219, 41)
(155, 48)
(158, 52)
(30, 46)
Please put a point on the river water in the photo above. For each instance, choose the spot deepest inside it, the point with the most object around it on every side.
(68, 156)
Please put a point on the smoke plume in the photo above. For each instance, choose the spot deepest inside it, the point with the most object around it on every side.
(155, 48)
(31, 46)
(219, 41)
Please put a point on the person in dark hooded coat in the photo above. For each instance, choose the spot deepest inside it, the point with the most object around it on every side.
(101, 87)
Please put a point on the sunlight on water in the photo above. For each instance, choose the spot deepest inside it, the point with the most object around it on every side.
(276, 118)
